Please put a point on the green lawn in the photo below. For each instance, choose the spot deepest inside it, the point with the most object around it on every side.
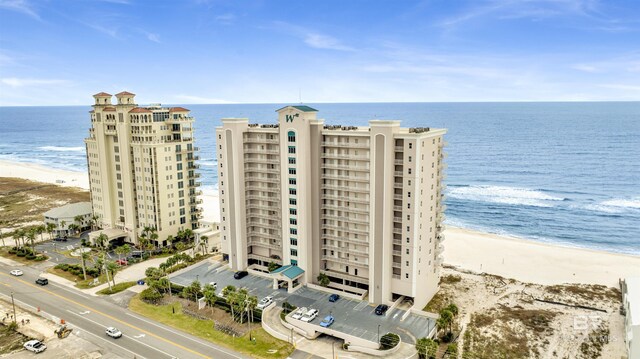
(264, 343)
(117, 288)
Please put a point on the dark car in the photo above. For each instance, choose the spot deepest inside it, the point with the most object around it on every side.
(60, 239)
(334, 298)
(241, 274)
(42, 281)
(381, 309)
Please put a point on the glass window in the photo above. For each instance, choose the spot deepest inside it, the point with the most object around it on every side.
(291, 136)
(292, 149)
(292, 160)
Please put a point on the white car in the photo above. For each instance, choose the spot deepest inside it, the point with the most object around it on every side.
(35, 346)
(214, 285)
(16, 272)
(299, 313)
(310, 315)
(113, 332)
(265, 302)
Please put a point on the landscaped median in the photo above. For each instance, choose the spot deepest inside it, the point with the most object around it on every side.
(116, 288)
(262, 346)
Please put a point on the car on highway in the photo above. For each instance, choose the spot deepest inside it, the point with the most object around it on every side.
(265, 302)
(35, 346)
(113, 332)
(16, 272)
(327, 321)
(42, 281)
(381, 309)
(334, 298)
(310, 315)
(241, 274)
(299, 313)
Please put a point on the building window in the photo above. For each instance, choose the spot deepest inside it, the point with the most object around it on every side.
(292, 191)
(293, 201)
(408, 240)
(293, 241)
(294, 252)
(293, 231)
(292, 149)
(346, 269)
(292, 181)
(410, 145)
(355, 270)
(292, 171)
(291, 136)
(407, 250)
(407, 262)
(293, 221)
(292, 160)
(293, 211)
(406, 275)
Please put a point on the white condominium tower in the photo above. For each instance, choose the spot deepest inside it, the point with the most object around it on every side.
(362, 205)
(142, 168)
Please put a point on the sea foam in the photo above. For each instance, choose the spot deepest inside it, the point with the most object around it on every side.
(62, 149)
(504, 195)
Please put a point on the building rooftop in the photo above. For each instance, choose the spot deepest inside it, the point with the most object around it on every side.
(290, 271)
(633, 296)
(109, 108)
(125, 93)
(302, 108)
(69, 210)
(178, 109)
(102, 94)
(140, 110)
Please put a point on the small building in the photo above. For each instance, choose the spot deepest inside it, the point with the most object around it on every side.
(210, 233)
(65, 216)
(631, 303)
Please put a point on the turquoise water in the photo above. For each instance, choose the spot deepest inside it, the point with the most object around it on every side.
(566, 173)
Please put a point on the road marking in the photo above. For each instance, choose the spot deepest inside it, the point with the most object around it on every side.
(139, 336)
(179, 334)
(136, 337)
(85, 312)
(118, 320)
(135, 355)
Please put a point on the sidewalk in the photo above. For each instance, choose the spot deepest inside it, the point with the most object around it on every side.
(325, 345)
(128, 274)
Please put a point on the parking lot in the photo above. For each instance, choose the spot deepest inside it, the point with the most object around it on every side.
(352, 317)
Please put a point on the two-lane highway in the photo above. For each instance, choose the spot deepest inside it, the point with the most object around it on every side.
(89, 317)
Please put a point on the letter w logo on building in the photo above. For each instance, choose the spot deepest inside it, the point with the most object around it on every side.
(289, 118)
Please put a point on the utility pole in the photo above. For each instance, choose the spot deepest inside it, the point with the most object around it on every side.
(14, 308)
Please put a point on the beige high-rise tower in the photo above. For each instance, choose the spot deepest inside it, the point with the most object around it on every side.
(362, 205)
(142, 168)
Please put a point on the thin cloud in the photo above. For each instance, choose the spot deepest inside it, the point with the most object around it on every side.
(25, 82)
(312, 38)
(226, 19)
(153, 37)
(21, 6)
(584, 68)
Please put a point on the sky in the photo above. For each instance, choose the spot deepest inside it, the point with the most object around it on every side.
(60, 52)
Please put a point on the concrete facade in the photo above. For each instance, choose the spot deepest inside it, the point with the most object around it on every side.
(142, 167)
(362, 205)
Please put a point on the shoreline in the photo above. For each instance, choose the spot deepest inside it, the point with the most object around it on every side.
(526, 260)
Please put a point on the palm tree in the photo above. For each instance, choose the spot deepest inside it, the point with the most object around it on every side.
(41, 229)
(163, 283)
(251, 304)
(170, 240)
(79, 220)
(126, 249)
(31, 235)
(120, 251)
(17, 234)
(62, 225)
(84, 256)
(203, 244)
(154, 238)
(112, 267)
(73, 227)
(445, 320)
(94, 222)
(229, 293)
(50, 227)
(102, 240)
(209, 295)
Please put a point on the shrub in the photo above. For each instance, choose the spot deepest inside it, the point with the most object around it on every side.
(13, 250)
(40, 258)
(452, 349)
(30, 256)
(21, 254)
(389, 340)
(345, 346)
(150, 295)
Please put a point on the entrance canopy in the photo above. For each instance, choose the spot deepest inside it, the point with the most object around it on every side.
(288, 272)
(111, 233)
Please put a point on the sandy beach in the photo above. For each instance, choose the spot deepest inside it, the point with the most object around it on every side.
(524, 260)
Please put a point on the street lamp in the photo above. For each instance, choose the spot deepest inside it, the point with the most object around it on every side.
(378, 333)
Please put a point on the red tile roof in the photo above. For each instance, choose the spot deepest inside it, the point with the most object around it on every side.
(178, 109)
(109, 108)
(140, 110)
(125, 93)
(102, 94)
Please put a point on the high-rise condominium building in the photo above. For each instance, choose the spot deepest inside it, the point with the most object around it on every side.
(362, 205)
(142, 168)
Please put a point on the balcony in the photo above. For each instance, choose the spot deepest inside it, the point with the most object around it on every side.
(396, 265)
(397, 185)
(345, 239)
(396, 276)
(263, 258)
(343, 208)
(346, 167)
(343, 228)
(258, 187)
(260, 140)
(397, 208)
(397, 230)
(346, 178)
(193, 166)
(272, 235)
(349, 261)
(399, 148)
(398, 173)
(397, 253)
(345, 144)
(254, 223)
(345, 157)
(264, 197)
(345, 198)
(398, 162)
(345, 188)
(264, 244)
(397, 219)
(398, 197)
(250, 159)
(268, 179)
(261, 151)
(347, 276)
(397, 241)
(344, 218)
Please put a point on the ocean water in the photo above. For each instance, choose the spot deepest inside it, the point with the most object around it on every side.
(566, 173)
